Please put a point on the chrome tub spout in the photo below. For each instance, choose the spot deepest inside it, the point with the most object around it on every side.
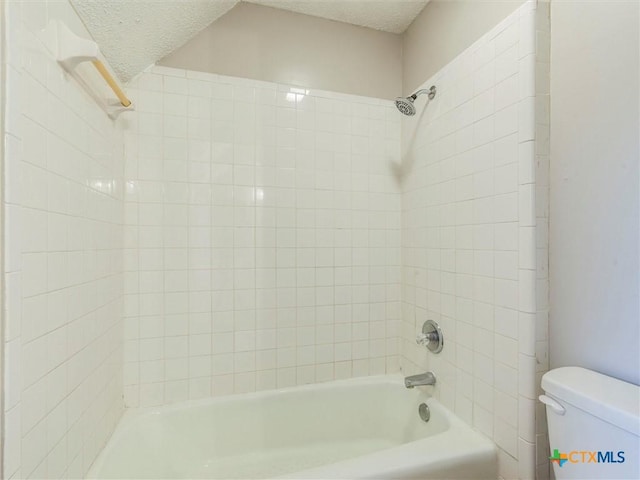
(419, 380)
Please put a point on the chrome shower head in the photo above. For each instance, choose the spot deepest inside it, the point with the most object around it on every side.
(405, 104)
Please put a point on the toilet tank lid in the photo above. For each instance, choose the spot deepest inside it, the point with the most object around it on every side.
(612, 400)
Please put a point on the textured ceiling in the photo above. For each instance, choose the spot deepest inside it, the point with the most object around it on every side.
(134, 34)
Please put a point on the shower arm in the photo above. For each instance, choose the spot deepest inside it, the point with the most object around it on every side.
(431, 92)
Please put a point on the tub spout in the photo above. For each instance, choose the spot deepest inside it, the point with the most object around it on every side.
(421, 379)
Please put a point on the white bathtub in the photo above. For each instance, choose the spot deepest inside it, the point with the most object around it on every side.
(358, 428)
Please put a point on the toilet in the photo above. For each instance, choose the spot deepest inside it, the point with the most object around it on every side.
(594, 424)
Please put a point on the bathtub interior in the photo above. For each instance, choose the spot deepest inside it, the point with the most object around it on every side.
(267, 435)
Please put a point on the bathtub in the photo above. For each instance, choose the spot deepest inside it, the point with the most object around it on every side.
(349, 429)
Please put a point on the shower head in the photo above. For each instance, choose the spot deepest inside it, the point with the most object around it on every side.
(405, 104)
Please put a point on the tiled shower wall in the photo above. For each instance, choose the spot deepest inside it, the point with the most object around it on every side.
(474, 227)
(63, 194)
(541, 177)
(262, 239)
(263, 242)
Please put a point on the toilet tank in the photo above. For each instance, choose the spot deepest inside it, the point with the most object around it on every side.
(594, 424)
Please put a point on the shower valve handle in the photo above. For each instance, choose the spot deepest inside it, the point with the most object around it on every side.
(431, 337)
(425, 338)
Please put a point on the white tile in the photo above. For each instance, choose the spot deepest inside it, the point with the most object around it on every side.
(526, 458)
(526, 419)
(507, 37)
(152, 82)
(506, 350)
(506, 265)
(506, 121)
(526, 120)
(506, 178)
(73, 182)
(526, 163)
(527, 77)
(236, 281)
(527, 384)
(506, 63)
(507, 465)
(527, 35)
(506, 207)
(527, 333)
(506, 437)
(507, 92)
(13, 429)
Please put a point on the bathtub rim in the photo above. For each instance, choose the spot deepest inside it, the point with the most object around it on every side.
(476, 442)
(390, 379)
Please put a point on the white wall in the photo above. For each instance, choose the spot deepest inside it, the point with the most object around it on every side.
(443, 30)
(595, 316)
(63, 259)
(262, 237)
(472, 208)
(263, 43)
